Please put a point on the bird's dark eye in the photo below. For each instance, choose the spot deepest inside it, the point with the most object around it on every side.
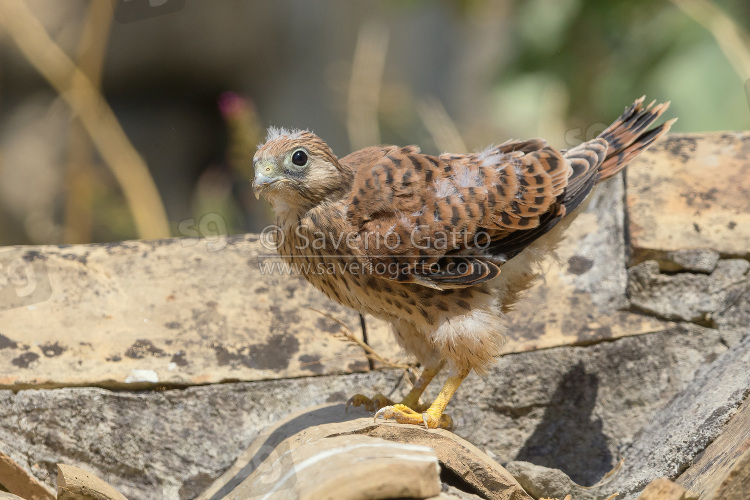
(299, 158)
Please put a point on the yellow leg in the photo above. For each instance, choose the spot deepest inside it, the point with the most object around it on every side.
(411, 400)
(434, 416)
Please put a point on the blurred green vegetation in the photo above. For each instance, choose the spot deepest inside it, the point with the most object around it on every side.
(597, 54)
(470, 72)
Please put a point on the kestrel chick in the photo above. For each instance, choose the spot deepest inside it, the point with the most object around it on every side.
(437, 246)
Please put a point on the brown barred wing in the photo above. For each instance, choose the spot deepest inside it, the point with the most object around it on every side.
(430, 220)
(405, 219)
(583, 164)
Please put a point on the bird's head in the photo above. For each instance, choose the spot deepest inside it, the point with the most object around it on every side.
(297, 169)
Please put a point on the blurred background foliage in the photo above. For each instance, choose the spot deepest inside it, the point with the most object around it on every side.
(189, 86)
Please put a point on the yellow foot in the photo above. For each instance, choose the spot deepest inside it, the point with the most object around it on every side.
(377, 402)
(405, 415)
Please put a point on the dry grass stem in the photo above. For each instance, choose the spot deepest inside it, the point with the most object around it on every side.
(728, 34)
(96, 116)
(365, 84)
(92, 47)
(348, 336)
(443, 130)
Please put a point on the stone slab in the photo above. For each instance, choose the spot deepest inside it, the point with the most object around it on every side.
(736, 485)
(18, 480)
(155, 445)
(573, 408)
(347, 467)
(9, 496)
(195, 311)
(321, 429)
(690, 192)
(705, 476)
(179, 311)
(673, 439)
(664, 489)
(453, 493)
(543, 482)
(699, 298)
(464, 460)
(581, 296)
(77, 484)
(577, 408)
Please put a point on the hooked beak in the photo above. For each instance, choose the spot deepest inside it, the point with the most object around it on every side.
(262, 180)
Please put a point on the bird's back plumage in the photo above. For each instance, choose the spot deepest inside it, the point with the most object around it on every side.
(487, 206)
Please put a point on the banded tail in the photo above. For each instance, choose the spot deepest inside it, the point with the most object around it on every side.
(598, 160)
(629, 135)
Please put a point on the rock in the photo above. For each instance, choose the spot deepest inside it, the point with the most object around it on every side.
(687, 296)
(585, 280)
(17, 480)
(543, 482)
(463, 460)
(723, 455)
(672, 440)
(736, 484)
(571, 408)
(664, 489)
(737, 313)
(344, 467)
(575, 408)
(690, 191)
(159, 444)
(294, 446)
(181, 311)
(9, 496)
(77, 484)
(699, 261)
(452, 493)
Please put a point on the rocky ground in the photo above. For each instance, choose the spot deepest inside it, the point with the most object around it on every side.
(155, 365)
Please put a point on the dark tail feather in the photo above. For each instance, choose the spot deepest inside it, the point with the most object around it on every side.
(628, 136)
